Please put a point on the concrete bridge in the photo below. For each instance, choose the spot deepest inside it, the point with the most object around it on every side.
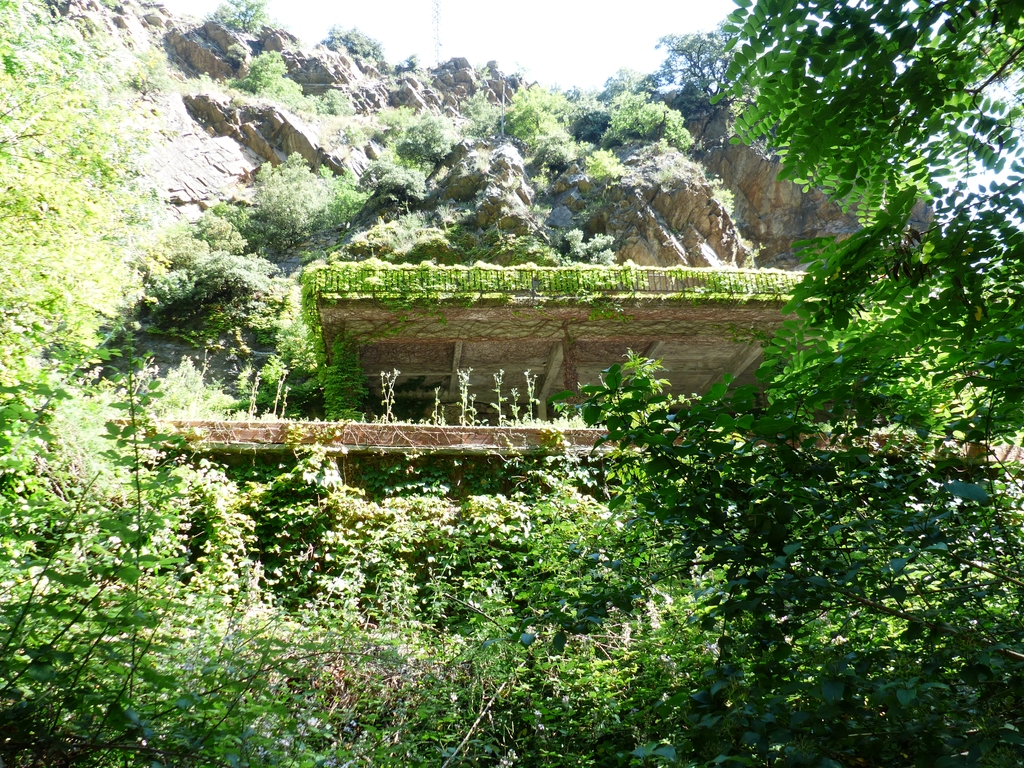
(562, 326)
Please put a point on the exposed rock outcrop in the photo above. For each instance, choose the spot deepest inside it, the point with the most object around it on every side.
(191, 168)
(211, 49)
(269, 132)
(773, 214)
(661, 213)
(127, 23)
(451, 84)
(656, 216)
(493, 176)
(664, 226)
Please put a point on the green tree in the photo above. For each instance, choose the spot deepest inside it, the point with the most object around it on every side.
(588, 116)
(859, 576)
(426, 140)
(65, 215)
(268, 77)
(242, 15)
(698, 61)
(391, 182)
(354, 42)
(635, 118)
(535, 112)
(907, 112)
(290, 204)
(627, 81)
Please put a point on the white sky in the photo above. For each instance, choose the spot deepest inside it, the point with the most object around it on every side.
(556, 42)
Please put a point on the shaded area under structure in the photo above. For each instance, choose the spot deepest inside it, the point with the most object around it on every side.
(562, 334)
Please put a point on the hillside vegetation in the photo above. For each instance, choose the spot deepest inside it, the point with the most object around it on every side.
(821, 572)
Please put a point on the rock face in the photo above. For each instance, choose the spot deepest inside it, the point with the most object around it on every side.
(211, 49)
(661, 213)
(772, 213)
(493, 177)
(268, 132)
(681, 223)
(127, 23)
(192, 168)
(451, 84)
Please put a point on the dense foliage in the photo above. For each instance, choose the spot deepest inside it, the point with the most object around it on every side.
(355, 42)
(242, 15)
(858, 567)
(378, 278)
(63, 158)
(823, 572)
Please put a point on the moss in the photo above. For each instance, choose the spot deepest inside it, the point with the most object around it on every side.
(430, 281)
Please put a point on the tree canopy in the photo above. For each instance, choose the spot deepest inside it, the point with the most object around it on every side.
(242, 15)
(695, 62)
(354, 42)
(859, 568)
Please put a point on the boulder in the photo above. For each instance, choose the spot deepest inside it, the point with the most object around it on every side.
(272, 39)
(321, 70)
(560, 217)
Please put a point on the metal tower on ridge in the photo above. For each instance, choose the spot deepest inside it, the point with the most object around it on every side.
(436, 19)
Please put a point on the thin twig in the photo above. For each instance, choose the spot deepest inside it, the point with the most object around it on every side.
(472, 729)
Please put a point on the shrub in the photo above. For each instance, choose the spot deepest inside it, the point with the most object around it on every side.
(354, 42)
(595, 251)
(242, 15)
(603, 166)
(186, 394)
(291, 203)
(391, 182)
(334, 103)
(535, 112)
(206, 281)
(556, 151)
(268, 77)
(427, 140)
(346, 199)
(483, 117)
(634, 118)
(150, 73)
(406, 239)
(220, 233)
(393, 123)
(588, 118)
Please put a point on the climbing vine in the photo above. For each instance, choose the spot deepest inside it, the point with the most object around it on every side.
(343, 381)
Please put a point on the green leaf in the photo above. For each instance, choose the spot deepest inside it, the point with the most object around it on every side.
(129, 574)
(968, 491)
(527, 638)
(906, 695)
(41, 671)
(832, 690)
(558, 642)
(665, 750)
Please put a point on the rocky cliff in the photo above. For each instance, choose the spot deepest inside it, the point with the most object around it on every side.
(209, 141)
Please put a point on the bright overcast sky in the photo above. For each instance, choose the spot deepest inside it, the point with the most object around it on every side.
(556, 42)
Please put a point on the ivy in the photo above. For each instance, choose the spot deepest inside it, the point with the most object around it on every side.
(378, 279)
(343, 382)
